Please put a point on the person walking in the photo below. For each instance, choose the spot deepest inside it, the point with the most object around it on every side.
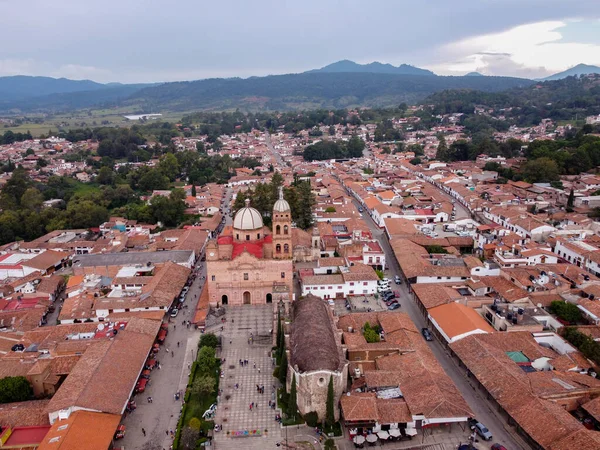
(144, 432)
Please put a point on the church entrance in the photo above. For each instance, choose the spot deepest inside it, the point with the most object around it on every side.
(246, 298)
(224, 300)
(269, 298)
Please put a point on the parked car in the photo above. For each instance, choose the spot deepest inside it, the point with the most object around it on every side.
(391, 302)
(397, 279)
(174, 312)
(360, 209)
(331, 302)
(427, 334)
(498, 447)
(387, 295)
(394, 306)
(483, 431)
(383, 288)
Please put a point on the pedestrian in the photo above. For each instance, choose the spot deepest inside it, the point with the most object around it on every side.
(167, 350)
(174, 326)
(254, 364)
(259, 370)
(167, 431)
(173, 354)
(144, 432)
(177, 343)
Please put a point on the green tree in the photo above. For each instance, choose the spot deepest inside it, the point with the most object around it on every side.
(442, 149)
(571, 199)
(84, 213)
(200, 147)
(193, 190)
(169, 166)
(540, 170)
(207, 363)
(330, 414)
(32, 199)
(153, 180)
(105, 176)
(306, 201)
(204, 385)
(208, 340)
(283, 366)
(15, 389)
(168, 210)
(293, 400)
(566, 311)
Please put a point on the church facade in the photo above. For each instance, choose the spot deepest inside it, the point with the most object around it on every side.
(247, 264)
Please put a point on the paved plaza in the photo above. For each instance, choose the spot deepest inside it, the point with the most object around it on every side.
(234, 412)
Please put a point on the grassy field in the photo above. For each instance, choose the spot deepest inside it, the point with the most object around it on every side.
(81, 119)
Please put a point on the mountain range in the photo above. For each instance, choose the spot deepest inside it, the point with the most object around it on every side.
(339, 85)
(374, 67)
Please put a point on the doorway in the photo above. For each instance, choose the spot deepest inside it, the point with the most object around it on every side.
(269, 298)
(224, 300)
(246, 298)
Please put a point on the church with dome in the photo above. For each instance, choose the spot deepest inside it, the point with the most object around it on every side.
(248, 264)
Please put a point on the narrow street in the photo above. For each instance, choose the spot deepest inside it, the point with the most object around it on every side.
(501, 431)
(276, 154)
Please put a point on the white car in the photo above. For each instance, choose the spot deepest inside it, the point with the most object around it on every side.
(174, 312)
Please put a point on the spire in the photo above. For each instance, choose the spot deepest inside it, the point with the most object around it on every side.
(280, 192)
(247, 202)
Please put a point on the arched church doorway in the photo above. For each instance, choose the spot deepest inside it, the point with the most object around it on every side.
(269, 298)
(246, 298)
(224, 300)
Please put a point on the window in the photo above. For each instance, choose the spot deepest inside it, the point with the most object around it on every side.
(247, 237)
(237, 236)
(286, 248)
(285, 229)
(330, 287)
(213, 278)
(278, 248)
(245, 276)
(365, 283)
(352, 283)
(258, 236)
(282, 274)
(278, 229)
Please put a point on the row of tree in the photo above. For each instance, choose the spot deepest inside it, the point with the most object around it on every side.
(264, 195)
(323, 150)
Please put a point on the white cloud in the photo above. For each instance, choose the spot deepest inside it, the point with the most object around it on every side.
(532, 50)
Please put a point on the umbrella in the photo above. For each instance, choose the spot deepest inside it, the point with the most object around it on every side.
(359, 439)
(383, 434)
(411, 432)
(371, 438)
(394, 432)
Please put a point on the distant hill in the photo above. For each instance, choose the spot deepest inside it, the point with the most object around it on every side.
(308, 90)
(474, 74)
(21, 86)
(579, 69)
(374, 67)
(277, 92)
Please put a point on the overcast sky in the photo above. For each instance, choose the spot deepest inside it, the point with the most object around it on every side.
(169, 40)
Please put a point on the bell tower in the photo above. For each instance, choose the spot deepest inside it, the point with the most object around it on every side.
(282, 228)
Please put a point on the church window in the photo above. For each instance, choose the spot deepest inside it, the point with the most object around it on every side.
(278, 248)
(282, 274)
(247, 237)
(286, 248)
(278, 229)
(237, 236)
(285, 229)
(245, 276)
(213, 278)
(258, 236)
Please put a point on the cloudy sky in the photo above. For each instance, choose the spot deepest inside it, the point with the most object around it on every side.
(168, 40)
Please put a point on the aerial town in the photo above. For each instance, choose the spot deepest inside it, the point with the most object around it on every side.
(393, 297)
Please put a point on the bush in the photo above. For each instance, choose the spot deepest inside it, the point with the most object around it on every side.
(276, 372)
(195, 423)
(330, 209)
(311, 418)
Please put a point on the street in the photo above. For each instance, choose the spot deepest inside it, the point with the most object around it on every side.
(276, 154)
(160, 417)
(501, 431)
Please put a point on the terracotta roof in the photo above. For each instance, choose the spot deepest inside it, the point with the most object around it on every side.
(47, 259)
(581, 439)
(359, 407)
(313, 344)
(24, 414)
(456, 319)
(93, 428)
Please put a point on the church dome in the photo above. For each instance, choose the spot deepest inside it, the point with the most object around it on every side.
(281, 205)
(247, 218)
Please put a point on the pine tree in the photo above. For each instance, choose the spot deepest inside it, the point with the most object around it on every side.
(278, 343)
(571, 199)
(330, 415)
(193, 190)
(283, 366)
(442, 150)
(293, 401)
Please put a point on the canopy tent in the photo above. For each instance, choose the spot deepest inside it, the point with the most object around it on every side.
(394, 432)
(383, 435)
(359, 439)
(371, 438)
